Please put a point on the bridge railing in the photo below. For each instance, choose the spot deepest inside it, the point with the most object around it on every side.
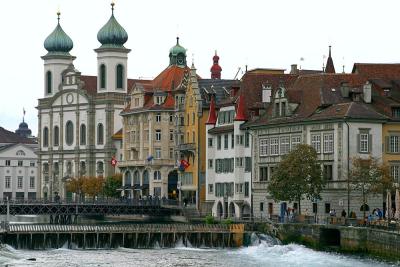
(155, 201)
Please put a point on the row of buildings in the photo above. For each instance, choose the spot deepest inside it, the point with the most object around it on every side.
(213, 143)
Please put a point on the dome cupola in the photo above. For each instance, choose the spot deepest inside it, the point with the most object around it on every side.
(112, 34)
(177, 55)
(58, 42)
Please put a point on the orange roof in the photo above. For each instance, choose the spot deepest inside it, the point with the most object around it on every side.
(169, 78)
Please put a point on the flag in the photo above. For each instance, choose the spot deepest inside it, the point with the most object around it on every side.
(184, 165)
(150, 158)
(113, 161)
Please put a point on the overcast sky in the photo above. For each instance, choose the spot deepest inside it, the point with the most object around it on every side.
(259, 33)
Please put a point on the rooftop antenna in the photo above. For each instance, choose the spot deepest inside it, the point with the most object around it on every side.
(323, 63)
(23, 116)
(343, 65)
(237, 73)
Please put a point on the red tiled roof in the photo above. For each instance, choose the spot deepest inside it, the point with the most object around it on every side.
(212, 116)
(170, 78)
(169, 101)
(377, 70)
(90, 83)
(240, 115)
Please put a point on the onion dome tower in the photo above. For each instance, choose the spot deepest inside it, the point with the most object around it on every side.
(23, 129)
(112, 57)
(177, 55)
(58, 45)
(216, 68)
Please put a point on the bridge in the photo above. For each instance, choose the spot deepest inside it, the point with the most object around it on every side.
(151, 207)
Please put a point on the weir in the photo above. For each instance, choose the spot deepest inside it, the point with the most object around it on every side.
(46, 236)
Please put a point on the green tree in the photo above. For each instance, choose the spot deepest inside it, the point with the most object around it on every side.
(298, 175)
(111, 185)
(370, 177)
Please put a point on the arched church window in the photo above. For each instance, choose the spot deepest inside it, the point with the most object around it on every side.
(100, 134)
(69, 133)
(56, 134)
(120, 76)
(46, 137)
(83, 134)
(102, 76)
(49, 82)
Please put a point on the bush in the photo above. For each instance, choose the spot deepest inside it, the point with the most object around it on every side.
(209, 219)
(227, 221)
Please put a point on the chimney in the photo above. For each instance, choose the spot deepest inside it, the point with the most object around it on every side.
(266, 93)
(367, 92)
(345, 89)
(293, 69)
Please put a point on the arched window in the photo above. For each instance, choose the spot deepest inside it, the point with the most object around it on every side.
(145, 177)
(46, 137)
(120, 76)
(100, 167)
(100, 134)
(136, 178)
(83, 134)
(128, 179)
(56, 134)
(102, 76)
(49, 82)
(69, 133)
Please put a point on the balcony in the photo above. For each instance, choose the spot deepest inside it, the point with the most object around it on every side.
(187, 148)
(142, 163)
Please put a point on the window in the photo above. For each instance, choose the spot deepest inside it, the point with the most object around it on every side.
(264, 145)
(20, 163)
(31, 182)
(393, 146)
(247, 164)
(45, 167)
(158, 153)
(158, 135)
(327, 207)
(328, 143)
(49, 82)
(232, 141)
(157, 191)
(274, 146)
(364, 143)
(276, 109)
(7, 182)
(83, 167)
(316, 142)
(100, 134)
(171, 135)
(56, 136)
(8, 162)
(171, 153)
(210, 163)
(45, 137)
(239, 162)
(193, 137)
(100, 167)
(171, 118)
(285, 145)
(395, 171)
(263, 174)
(296, 140)
(396, 113)
(120, 76)
(246, 189)
(210, 142)
(69, 133)
(193, 118)
(157, 175)
(32, 164)
(219, 142)
(20, 153)
(226, 141)
(283, 108)
(247, 139)
(210, 188)
(158, 117)
(19, 182)
(261, 206)
(83, 134)
(102, 76)
(328, 172)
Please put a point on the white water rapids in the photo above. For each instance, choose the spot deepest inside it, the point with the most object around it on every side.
(265, 251)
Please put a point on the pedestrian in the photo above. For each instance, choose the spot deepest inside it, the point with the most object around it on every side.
(344, 213)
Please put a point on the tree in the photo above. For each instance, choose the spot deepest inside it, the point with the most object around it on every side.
(111, 185)
(370, 177)
(75, 185)
(93, 186)
(297, 175)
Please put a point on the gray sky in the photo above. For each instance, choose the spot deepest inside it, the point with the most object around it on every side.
(259, 33)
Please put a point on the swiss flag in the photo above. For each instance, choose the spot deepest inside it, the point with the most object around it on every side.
(184, 164)
(113, 161)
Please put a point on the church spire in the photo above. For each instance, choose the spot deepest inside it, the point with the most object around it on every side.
(330, 68)
(216, 68)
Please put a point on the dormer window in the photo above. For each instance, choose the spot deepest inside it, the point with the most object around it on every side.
(280, 100)
(159, 100)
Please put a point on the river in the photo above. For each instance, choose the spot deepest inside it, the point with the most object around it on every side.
(266, 252)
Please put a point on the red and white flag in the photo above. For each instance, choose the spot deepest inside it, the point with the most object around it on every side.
(113, 161)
